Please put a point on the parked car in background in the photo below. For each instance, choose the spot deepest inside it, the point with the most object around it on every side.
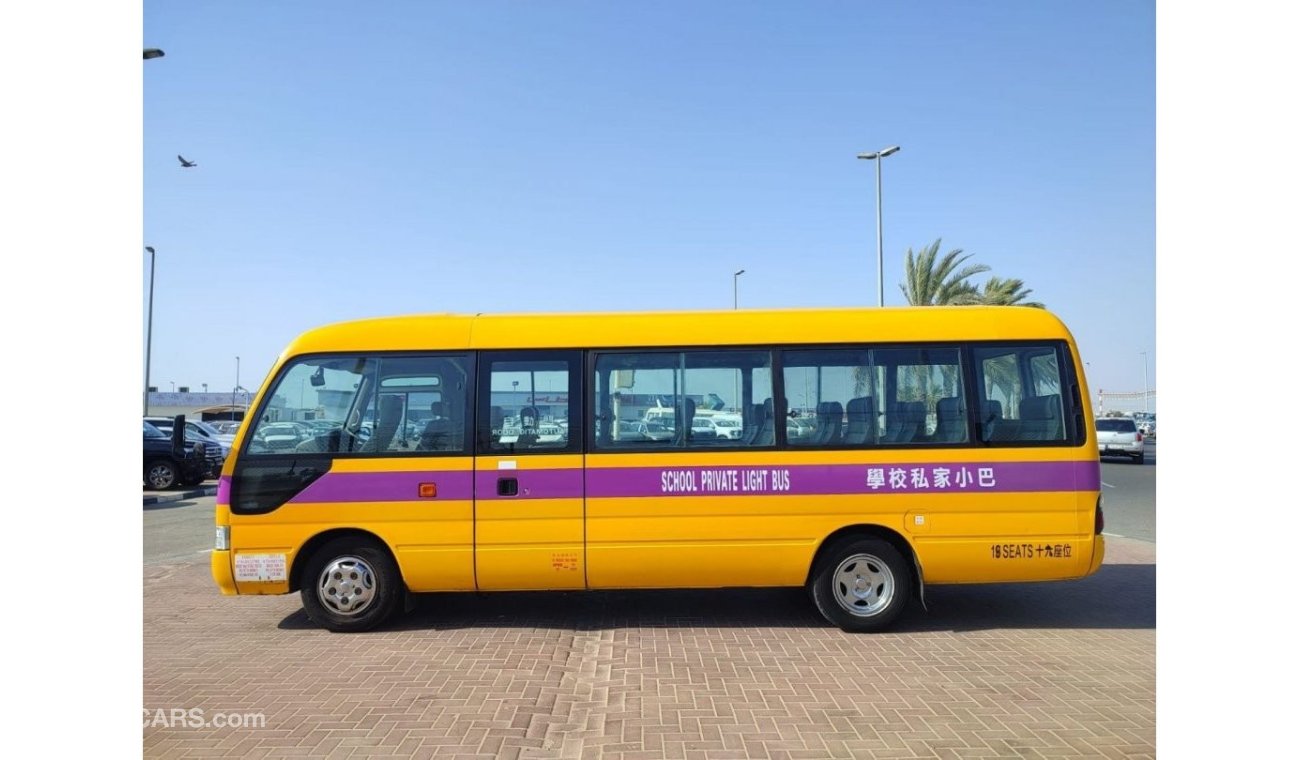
(727, 427)
(198, 430)
(1146, 422)
(225, 440)
(165, 467)
(317, 428)
(280, 436)
(215, 452)
(1119, 436)
(226, 436)
(798, 429)
(225, 427)
(703, 429)
(655, 431)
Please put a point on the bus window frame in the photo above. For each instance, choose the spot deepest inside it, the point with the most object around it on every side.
(1076, 433)
(590, 444)
(482, 432)
(890, 388)
(471, 367)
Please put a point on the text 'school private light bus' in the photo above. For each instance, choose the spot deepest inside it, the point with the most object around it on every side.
(878, 450)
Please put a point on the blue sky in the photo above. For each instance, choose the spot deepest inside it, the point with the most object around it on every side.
(471, 157)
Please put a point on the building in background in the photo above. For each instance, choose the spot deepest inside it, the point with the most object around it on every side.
(203, 406)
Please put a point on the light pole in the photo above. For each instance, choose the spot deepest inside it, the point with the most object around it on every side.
(879, 158)
(153, 53)
(1146, 384)
(735, 304)
(148, 341)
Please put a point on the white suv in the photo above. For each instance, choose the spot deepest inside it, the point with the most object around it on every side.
(1119, 436)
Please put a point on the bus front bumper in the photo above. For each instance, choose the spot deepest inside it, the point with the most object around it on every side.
(223, 574)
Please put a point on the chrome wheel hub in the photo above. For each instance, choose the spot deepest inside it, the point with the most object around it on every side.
(347, 586)
(863, 585)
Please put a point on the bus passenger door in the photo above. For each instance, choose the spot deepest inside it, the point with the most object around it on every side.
(528, 483)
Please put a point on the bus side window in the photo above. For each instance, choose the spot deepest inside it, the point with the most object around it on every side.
(929, 392)
(1023, 384)
(528, 400)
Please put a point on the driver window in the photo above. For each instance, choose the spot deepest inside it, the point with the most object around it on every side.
(388, 405)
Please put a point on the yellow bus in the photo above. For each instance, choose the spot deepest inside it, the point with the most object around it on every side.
(879, 451)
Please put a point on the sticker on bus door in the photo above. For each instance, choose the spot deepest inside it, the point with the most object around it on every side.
(260, 567)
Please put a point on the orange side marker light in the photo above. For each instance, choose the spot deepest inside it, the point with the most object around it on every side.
(428, 490)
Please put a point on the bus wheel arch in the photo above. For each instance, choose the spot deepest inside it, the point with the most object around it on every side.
(349, 580)
(901, 570)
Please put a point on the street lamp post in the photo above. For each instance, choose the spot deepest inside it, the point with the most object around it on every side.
(735, 304)
(1146, 384)
(148, 341)
(149, 53)
(879, 158)
(235, 392)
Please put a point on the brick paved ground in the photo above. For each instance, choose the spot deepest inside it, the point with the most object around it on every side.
(1016, 671)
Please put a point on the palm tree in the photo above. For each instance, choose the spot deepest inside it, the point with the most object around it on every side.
(1010, 292)
(931, 284)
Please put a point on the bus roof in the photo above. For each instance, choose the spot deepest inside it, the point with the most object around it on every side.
(682, 328)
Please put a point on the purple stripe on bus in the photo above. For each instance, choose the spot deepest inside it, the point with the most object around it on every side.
(533, 484)
(724, 480)
(929, 477)
(223, 490)
(387, 486)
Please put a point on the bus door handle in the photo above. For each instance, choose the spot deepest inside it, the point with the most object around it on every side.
(507, 486)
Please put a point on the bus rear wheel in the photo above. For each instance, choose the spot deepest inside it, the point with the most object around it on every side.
(350, 585)
(861, 584)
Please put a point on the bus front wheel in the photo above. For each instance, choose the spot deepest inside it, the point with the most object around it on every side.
(350, 585)
(862, 584)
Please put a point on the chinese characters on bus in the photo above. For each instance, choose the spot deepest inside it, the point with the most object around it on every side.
(1031, 551)
(929, 478)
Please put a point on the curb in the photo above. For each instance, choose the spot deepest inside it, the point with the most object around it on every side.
(180, 495)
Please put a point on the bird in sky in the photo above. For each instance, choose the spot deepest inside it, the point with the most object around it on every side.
(185, 164)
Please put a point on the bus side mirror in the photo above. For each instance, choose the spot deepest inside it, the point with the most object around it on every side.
(178, 436)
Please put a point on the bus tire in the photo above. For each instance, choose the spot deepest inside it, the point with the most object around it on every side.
(861, 584)
(351, 584)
